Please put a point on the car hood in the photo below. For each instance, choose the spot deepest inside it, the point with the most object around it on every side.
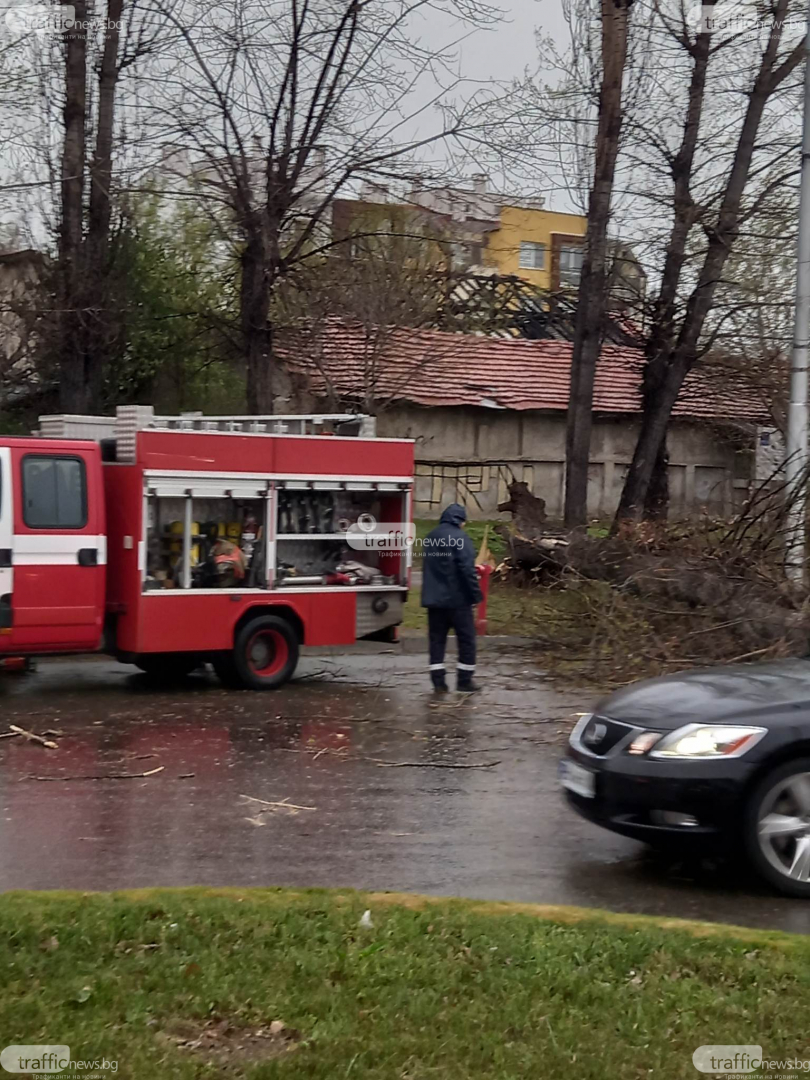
(779, 691)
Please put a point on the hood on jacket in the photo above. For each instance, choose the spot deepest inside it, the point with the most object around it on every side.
(454, 514)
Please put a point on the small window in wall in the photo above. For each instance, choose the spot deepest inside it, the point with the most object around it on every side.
(54, 492)
(532, 256)
(570, 264)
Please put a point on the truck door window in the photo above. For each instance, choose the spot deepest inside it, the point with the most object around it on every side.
(54, 490)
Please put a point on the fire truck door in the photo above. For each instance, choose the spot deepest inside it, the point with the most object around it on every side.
(59, 551)
(6, 543)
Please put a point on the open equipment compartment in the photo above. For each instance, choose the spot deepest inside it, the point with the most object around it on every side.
(210, 535)
(313, 525)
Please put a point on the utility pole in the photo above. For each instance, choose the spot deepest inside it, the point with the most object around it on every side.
(796, 450)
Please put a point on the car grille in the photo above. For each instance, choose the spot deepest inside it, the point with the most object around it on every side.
(600, 735)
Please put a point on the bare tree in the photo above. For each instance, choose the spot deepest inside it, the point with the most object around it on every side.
(74, 81)
(735, 154)
(709, 140)
(284, 105)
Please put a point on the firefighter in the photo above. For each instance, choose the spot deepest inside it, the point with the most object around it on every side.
(450, 590)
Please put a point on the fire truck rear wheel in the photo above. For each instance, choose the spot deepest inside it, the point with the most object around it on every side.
(265, 653)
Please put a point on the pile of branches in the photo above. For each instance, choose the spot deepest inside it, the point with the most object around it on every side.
(654, 596)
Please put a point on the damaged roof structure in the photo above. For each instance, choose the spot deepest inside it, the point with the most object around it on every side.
(486, 410)
(431, 368)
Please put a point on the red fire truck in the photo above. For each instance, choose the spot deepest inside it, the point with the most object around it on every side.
(172, 541)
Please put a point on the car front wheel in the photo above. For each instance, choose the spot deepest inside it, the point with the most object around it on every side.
(777, 828)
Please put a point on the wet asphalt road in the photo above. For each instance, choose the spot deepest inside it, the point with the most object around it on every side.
(322, 748)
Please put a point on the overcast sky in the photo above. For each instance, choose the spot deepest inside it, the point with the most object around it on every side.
(506, 51)
(510, 48)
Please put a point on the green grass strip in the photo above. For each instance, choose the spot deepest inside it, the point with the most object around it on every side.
(435, 990)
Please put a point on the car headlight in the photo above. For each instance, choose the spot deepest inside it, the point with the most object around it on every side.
(707, 741)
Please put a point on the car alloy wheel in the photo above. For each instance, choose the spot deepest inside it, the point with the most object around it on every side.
(783, 827)
(777, 827)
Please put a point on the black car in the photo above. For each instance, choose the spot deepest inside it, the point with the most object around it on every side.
(718, 757)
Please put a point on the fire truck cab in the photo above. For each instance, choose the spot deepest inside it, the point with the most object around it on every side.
(172, 541)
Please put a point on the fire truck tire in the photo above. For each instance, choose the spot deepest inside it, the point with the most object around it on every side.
(166, 666)
(265, 653)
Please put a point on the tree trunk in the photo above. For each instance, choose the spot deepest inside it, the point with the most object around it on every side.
(102, 332)
(656, 504)
(72, 383)
(592, 300)
(651, 438)
(255, 315)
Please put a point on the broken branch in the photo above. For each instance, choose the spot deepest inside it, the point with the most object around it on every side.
(103, 776)
(432, 764)
(31, 737)
(285, 804)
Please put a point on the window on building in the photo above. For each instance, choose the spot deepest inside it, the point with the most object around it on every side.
(54, 492)
(532, 256)
(570, 264)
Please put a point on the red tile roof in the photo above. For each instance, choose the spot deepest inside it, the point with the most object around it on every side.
(430, 367)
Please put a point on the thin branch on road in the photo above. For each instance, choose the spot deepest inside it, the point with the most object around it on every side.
(285, 804)
(102, 776)
(29, 736)
(431, 764)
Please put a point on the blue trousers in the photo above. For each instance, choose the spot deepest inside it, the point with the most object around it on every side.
(440, 622)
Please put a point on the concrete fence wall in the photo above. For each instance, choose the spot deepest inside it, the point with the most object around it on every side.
(469, 455)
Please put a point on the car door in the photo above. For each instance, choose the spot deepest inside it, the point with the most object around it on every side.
(59, 549)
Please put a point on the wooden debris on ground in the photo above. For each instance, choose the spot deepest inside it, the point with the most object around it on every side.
(432, 764)
(29, 736)
(284, 806)
(102, 776)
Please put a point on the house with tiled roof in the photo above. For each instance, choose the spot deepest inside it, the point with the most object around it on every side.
(485, 410)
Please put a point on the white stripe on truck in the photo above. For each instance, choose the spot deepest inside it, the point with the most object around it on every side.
(32, 549)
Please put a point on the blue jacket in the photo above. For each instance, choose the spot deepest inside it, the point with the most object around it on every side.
(449, 579)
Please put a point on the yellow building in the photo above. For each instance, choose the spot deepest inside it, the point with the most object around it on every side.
(510, 235)
(542, 246)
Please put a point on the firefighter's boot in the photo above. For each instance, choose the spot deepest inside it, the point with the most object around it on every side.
(439, 680)
(465, 683)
